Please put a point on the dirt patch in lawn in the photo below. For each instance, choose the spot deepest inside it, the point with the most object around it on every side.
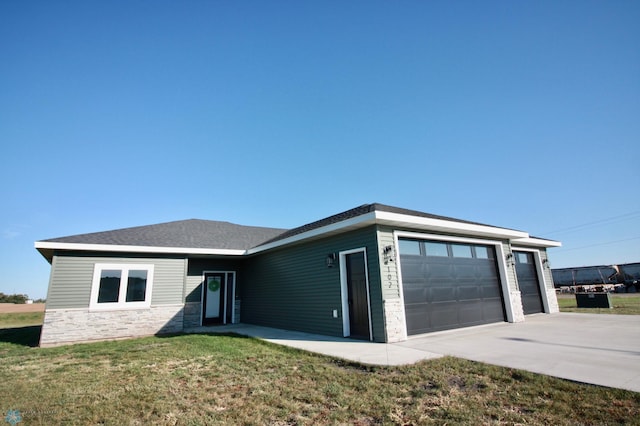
(11, 308)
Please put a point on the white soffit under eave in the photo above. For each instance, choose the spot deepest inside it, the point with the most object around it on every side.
(135, 249)
(537, 242)
(397, 219)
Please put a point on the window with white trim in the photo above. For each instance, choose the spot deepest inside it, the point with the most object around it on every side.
(121, 286)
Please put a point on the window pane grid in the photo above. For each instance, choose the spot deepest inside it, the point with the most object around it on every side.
(121, 286)
(444, 249)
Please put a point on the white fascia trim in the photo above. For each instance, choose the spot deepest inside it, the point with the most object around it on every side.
(393, 219)
(363, 220)
(135, 249)
(448, 225)
(536, 242)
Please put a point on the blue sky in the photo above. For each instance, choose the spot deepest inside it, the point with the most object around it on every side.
(524, 115)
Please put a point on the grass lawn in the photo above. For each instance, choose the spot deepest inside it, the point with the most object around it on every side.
(623, 303)
(21, 319)
(217, 379)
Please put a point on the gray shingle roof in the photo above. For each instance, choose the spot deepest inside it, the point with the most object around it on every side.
(362, 210)
(192, 233)
(208, 234)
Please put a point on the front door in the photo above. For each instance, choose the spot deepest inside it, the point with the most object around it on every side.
(214, 298)
(357, 295)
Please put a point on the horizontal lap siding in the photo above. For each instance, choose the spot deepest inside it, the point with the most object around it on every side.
(511, 270)
(168, 281)
(70, 283)
(292, 288)
(548, 277)
(390, 286)
(71, 278)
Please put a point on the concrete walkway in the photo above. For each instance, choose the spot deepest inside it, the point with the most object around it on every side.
(590, 348)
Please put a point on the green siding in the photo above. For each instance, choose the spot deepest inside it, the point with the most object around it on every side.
(71, 277)
(292, 288)
(193, 288)
(70, 283)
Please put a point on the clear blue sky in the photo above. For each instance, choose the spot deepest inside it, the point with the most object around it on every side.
(520, 114)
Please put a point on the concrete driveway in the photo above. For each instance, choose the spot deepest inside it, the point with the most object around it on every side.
(590, 348)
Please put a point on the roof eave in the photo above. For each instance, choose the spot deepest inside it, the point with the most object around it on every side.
(324, 231)
(536, 242)
(46, 248)
(399, 221)
(447, 226)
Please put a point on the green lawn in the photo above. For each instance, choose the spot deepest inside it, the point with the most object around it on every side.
(214, 379)
(21, 319)
(623, 303)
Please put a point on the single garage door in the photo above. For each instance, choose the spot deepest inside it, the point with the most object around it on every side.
(528, 282)
(449, 285)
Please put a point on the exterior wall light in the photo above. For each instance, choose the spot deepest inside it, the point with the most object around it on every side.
(387, 252)
(509, 258)
(331, 260)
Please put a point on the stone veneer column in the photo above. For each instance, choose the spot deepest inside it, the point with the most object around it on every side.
(395, 324)
(516, 306)
(552, 299)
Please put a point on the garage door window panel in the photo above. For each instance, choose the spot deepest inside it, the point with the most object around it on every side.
(436, 249)
(409, 247)
(461, 250)
(481, 252)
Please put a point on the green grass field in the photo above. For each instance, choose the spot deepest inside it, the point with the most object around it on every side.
(623, 304)
(216, 379)
(21, 319)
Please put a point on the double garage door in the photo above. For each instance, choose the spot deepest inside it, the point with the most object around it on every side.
(451, 285)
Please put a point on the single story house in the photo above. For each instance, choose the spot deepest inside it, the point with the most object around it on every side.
(375, 272)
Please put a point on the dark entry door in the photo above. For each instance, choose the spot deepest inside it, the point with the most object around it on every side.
(357, 296)
(528, 282)
(214, 298)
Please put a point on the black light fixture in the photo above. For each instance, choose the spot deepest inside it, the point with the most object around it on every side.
(387, 252)
(509, 258)
(331, 260)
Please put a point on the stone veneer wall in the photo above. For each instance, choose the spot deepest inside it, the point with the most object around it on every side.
(395, 323)
(552, 299)
(192, 314)
(62, 326)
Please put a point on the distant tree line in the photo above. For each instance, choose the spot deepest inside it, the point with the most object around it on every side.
(13, 298)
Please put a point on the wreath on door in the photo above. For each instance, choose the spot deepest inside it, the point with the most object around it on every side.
(214, 284)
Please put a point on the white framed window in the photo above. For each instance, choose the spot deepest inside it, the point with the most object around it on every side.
(121, 286)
